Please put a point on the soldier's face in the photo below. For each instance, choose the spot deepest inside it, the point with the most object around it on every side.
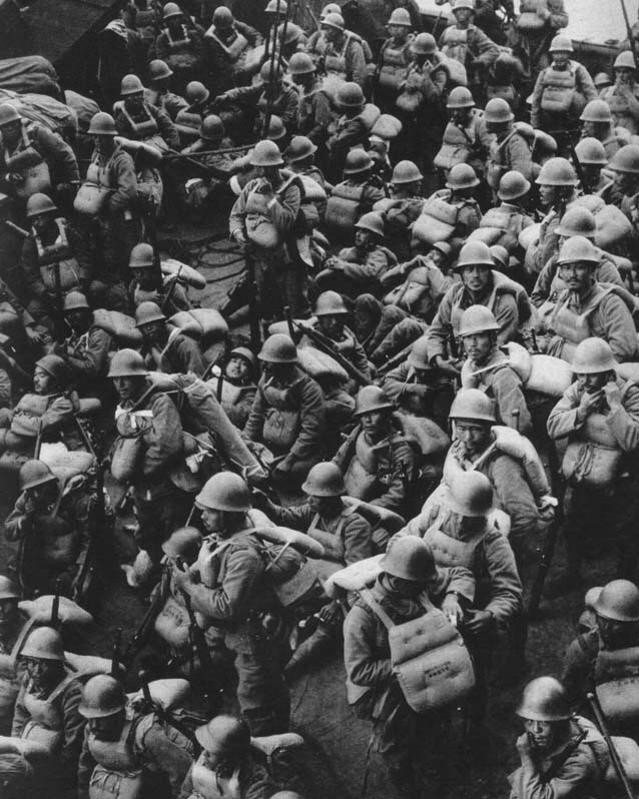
(617, 634)
(542, 734)
(460, 116)
(473, 436)
(44, 495)
(103, 144)
(478, 346)
(561, 58)
(134, 102)
(79, 319)
(331, 326)
(626, 182)
(40, 222)
(11, 132)
(591, 172)
(130, 387)
(237, 368)
(43, 672)
(475, 277)
(577, 276)
(41, 381)
(398, 31)
(373, 422)
(213, 520)
(591, 384)
(463, 15)
(107, 728)
(143, 277)
(625, 76)
(546, 195)
(405, 588)
(331, 34)
(362, 237)
(8, 614)
(153, 331)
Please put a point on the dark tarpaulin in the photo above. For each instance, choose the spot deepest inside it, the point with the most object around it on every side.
(29, 74)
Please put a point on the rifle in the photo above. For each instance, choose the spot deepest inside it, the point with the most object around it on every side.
(614, 755)
(169, 294)
(272, 78)
(59, 305)
(254, 316)
(152, 232)
(578, 168)
(55, 607)
(631, 38)
(141, 635)
(115, 654)
(165, 716)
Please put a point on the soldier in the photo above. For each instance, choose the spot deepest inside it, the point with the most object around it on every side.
(466, 139)
(130, 747)
(393, 60)
(262, 223)
(107, 216)
(49, 261)
(314, 110)
(35, 159)
(360, 268)
(227, 45)
(142, 287)
(288, 413)
(511, 150)
(599, 416)
(47, 710)
(237, 598)
(344, 54)
(53, 526)
(607, 652)
(158, 92)
(468, 44)
(181, 44)
(86, 350)
(623, 96)
(502, 225)
(227, 764)
(560, 94)
(11, 627)
(403, 739)
(536, 25)
(557, 183)
(586, 308)
(480, 285)
(376, 460)
(598, 124)
(167, 349)
(345, 535)
(560, 753)
(147, 454)
(403, 208)
(354, 196)
(488, 368)
(138, 120)
(239, 385)
(348, 131)
(592, 160)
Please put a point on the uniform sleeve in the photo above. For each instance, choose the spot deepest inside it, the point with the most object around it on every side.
(541, 291)
(31, 269)
(237, 216)
(163, 439)
(402, 469)
(509, 395)
(520, 156)
(168, 131)
(165, 757)
(535, 103)
(311, 423)
(86, 764)
(363, 665)
(441, 327)
(558, 16)
(191, 356)
(357, 539)
(577, 676)
(250, 34)
(322, 117)
(56, 151)
(573, 779)
(482, 47)
(356, 63)
(20, 714)
(345, 452)
(186, 789)
(505, 590)
(91, 362)
(298, 517)
(469, 219)
(514, 497)
(619, 328)
(59, 413)
(371, 270)
(74, 725)
(585, 84)
(624, 422)
(284, 208)
(17, 524)
(124, 180)
(255, 424)
(507, 318)
(562, 419)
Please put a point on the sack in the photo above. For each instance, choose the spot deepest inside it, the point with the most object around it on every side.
(319, 365)
(426, 434)
(262, 232)
(29, 74)
(168, 693)
(549, 375)
(90, 199)
(35, 179)
(628, 751)
(107, 784)
(289, 573)
(590, 464)
(118, 325)
(69, 613)
(618, 691)
(126, 456)
(530, 21)
(386, 127)
(409, 102)
(204, 324)
(354, 577)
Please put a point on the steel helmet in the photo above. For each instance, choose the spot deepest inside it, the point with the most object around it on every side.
(324, 480)
(498, 111)
(626, 160)
(333, 21)
(473, 404)
(544, 699)
(357, 161)
(477, 319)
(225, 491)
(74, 301)
(372, 221)
(602, 80)
(127, 363)
(130, 84)
(424, 44)
(591, 151)
(301, 64)
(596, 111)
(330, 303)
(400, 16)
(578, 249)
(460, 97)
(226, 734)
(557, 171)
(8, 114)
(469, 4)
(184, 543)
(141, 256)
(171, 10)
(102, 124)
(278, 348)
(148, 312)
(40, 204)
(330, 8)
(276, 7)
(418, 356)
(292, 33)
(471, 494)
(499, 255)
(443, 247)
(474, 253)
(350, 95)
(212, 128)
(625, 60)
(372, 398)
(406, 172)
(462, 176)
(270, 72)
(512, 186)
(578, 221)
(159, 69)
(276, 129)
(561, 44)
(299, 148)
(618, 601)
(196, 92)
(34, 473)
(593, 356)
(247, 355)
(266, 153)
(409, 558)
(8, 589)
(55, 366)
(44, 643)
(223, 17)
(102, 696)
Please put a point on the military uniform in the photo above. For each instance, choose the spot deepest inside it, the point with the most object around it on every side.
(346, 59)
(183, 53)
(549, 285)
(560, 95)
(314, 114)
(226, 55)
(150, 124)
(465, 144)
(166, 100)
(507, 220)
(87, 355)
(471, 47)
(181, 354)
(356, 269)
(536, 25)
(624, 106)
(510, 151)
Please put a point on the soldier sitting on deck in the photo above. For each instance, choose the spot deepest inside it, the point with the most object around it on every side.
(167, 349)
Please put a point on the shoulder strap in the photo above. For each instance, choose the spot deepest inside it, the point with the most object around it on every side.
(563, 757)
(377, 609)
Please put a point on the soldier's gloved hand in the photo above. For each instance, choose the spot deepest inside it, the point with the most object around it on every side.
(588, 404)
(33, 335)
(478, 622)
(452, 609)
(524, 748)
